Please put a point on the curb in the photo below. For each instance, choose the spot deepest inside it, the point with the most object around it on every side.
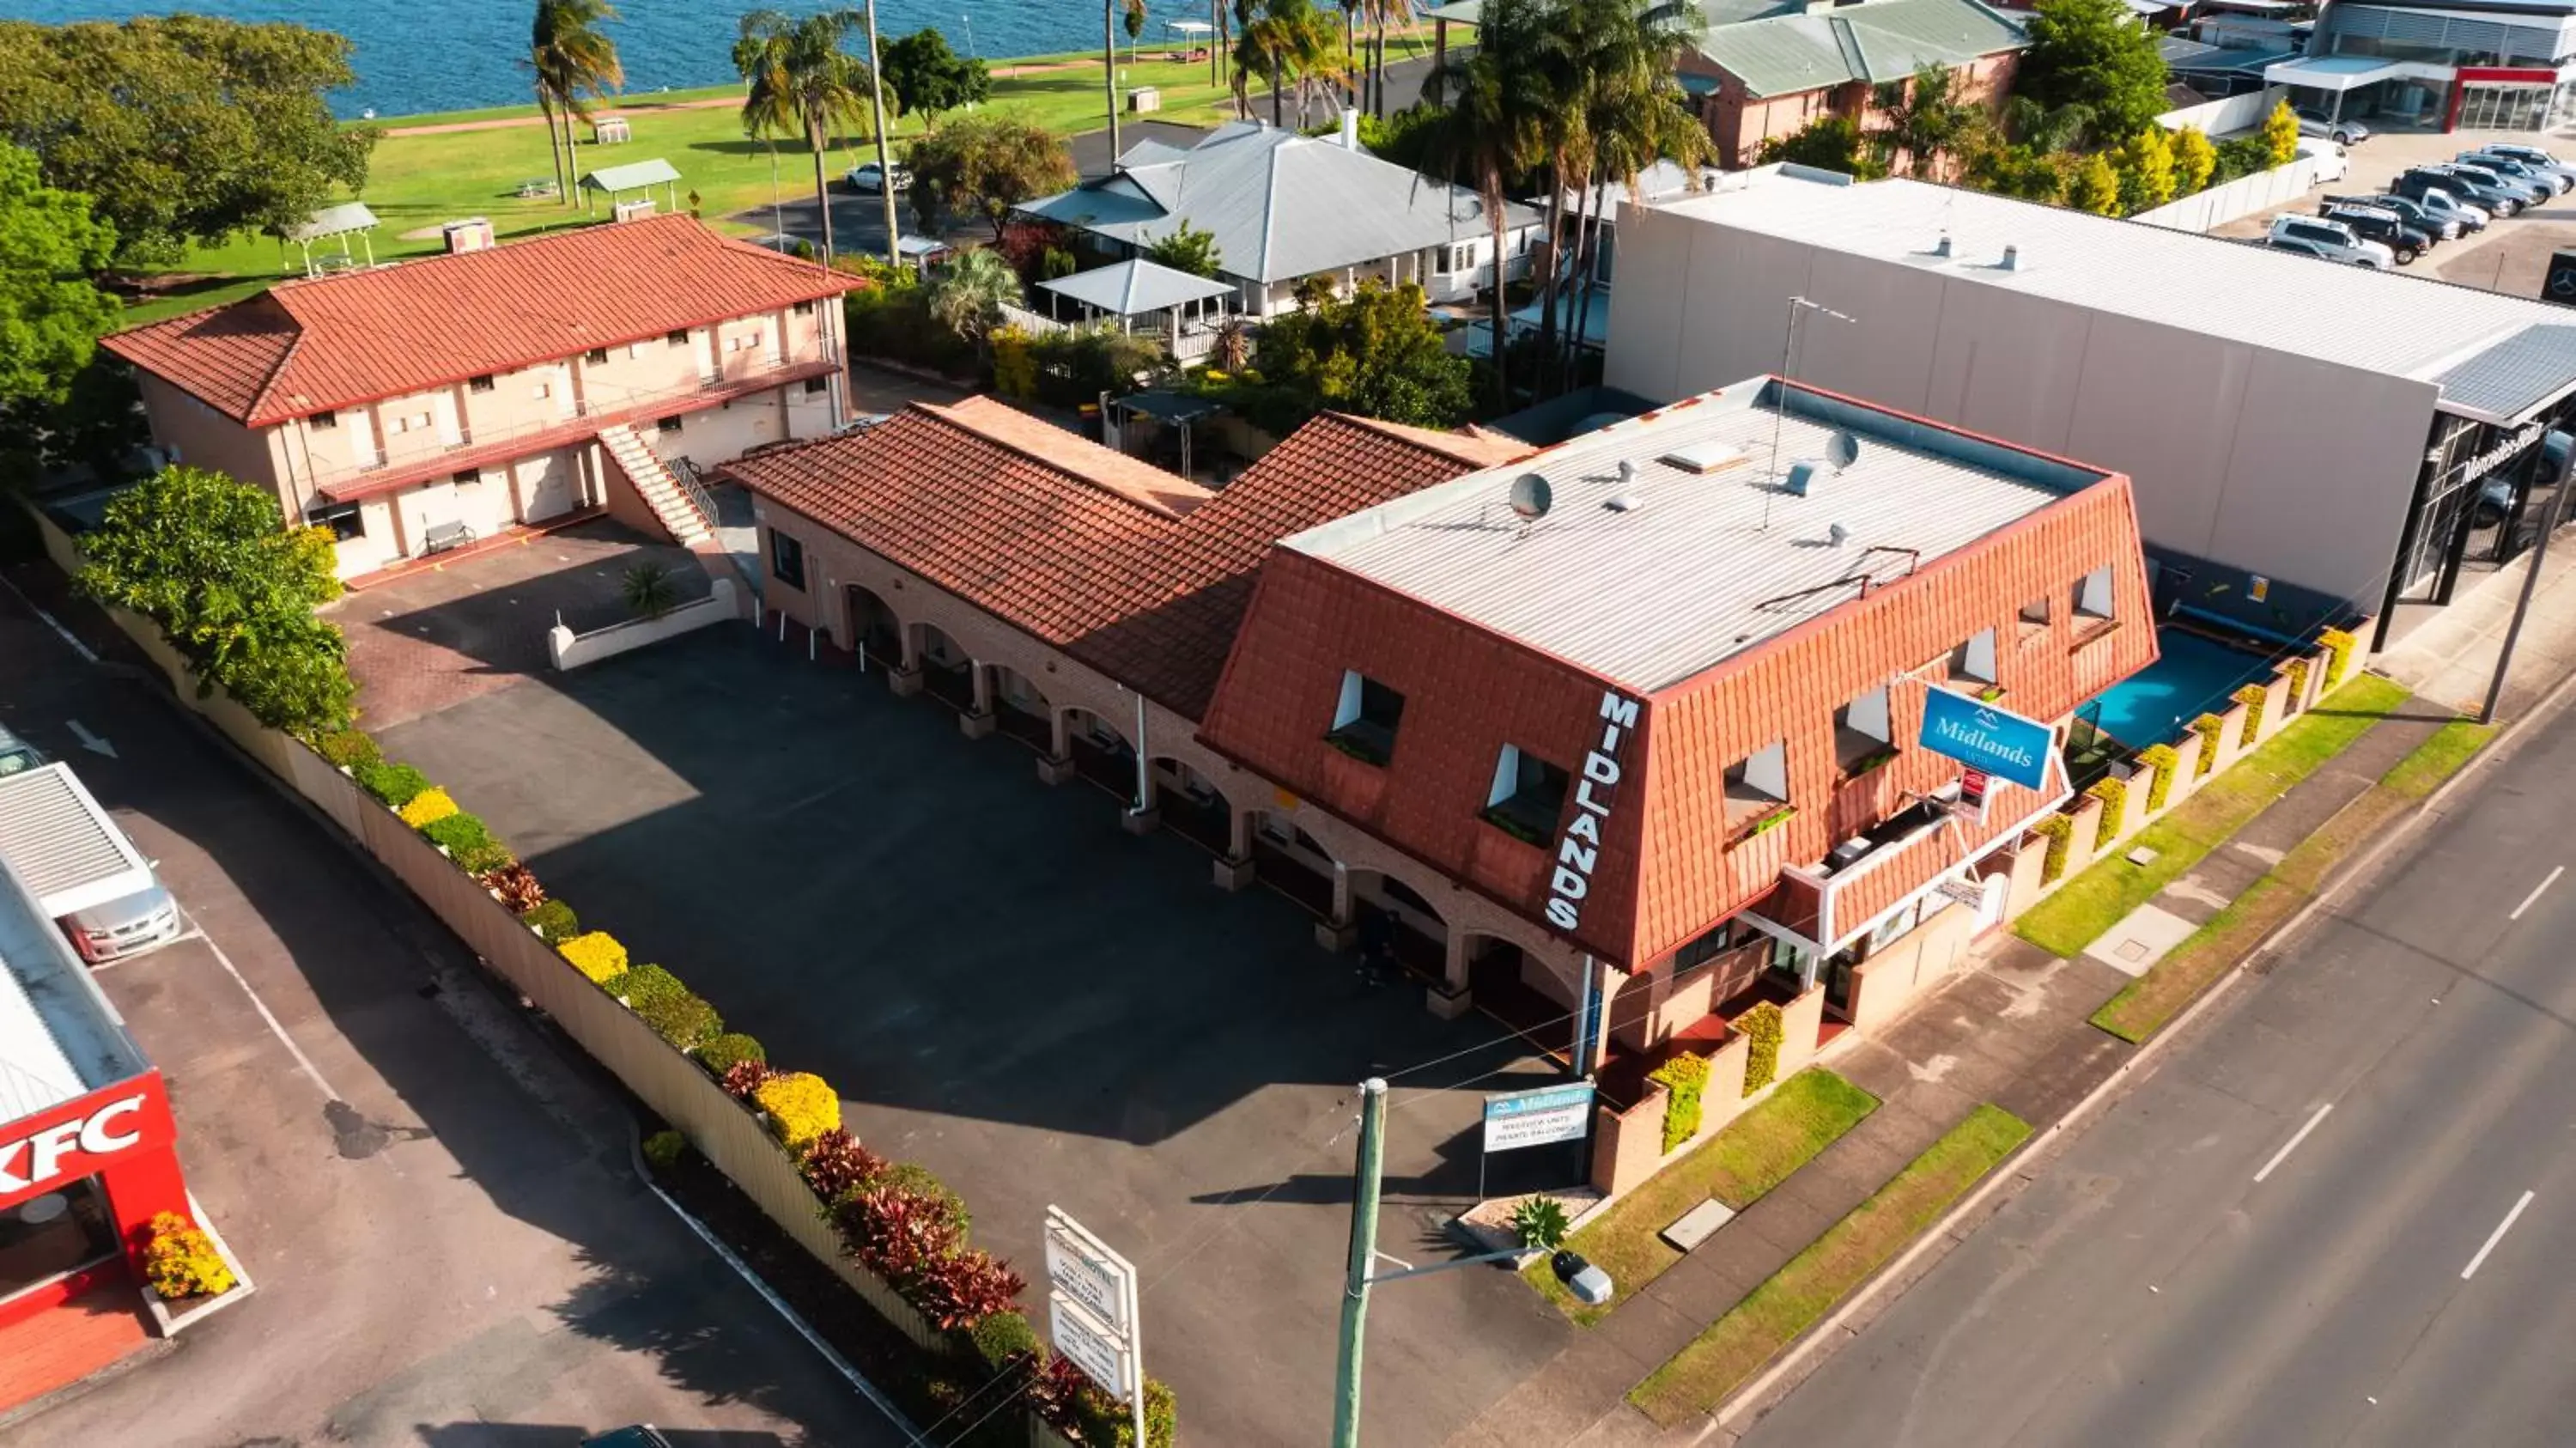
(1749, 1403)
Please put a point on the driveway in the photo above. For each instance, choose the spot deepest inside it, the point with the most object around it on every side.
(1007, 988)
(449, 1245)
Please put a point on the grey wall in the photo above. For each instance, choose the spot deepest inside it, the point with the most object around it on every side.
(2246, 460)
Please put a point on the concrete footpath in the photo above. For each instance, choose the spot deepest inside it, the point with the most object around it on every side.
(2014, 1031)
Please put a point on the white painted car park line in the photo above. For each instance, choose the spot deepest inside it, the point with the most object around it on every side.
(2527, 900)
(274, 1028)
(2495, 1236)
(2293, 1143)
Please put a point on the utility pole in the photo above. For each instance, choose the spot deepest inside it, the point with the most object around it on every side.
(1109, 73)
(1355, 1289)
(885, 162)
(2530, 584)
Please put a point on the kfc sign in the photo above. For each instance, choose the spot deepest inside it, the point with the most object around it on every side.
(35, 1160)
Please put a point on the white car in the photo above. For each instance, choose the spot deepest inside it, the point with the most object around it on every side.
(2316, 122)
(869, 177)
(2332, 164)
(2329, 239)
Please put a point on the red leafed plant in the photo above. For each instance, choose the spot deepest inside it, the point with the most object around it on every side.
(896, 1233)
(962, 1290)
(518, 887)
(744, 1077)
(836, 1166)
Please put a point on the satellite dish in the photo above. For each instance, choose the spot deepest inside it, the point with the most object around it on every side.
(1842, 449)
(1532, 497)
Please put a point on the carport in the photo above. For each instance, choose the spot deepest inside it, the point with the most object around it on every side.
(2362, 84)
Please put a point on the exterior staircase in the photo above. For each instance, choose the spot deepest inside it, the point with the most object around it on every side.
(674, 499)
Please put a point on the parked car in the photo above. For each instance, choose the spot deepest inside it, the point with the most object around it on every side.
(2331, 239)
(869, 177)
(2413, 213)
(2530, 156)
(2404, 242)
(2327, 160)
(2548, 180)
(2527, 194)
(17, 755)
(2485, 195)
(2314, 121)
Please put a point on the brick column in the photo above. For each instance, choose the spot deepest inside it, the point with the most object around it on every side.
(1235, 871)
(979, 721)
(1057, 767)
(1340, 932)
(905, 680)
(1450, 998)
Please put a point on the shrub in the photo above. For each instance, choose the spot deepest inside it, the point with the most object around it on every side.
(720, 1052)
(2298, 695)
(180, 1260)
(1004, 1338)
(1082, 1409)
(2252, 696)
(662, 1149)
(801, 1107)
(517, 886)
(1763, 1026)
(2162, 759)
(2060, 832)
(916, 1179)
(348, 748)
(2114, 794)
(649, 589)
(1540, 1222)
(426, 808)
(1684, 1078)
(2338, 646)
(553, 920)
(394, 785)
(837, 1167)
(685, 1019)
(641, 984)
(895, 1233)
(597, 955)
(467, 840)
(2208, 727)
(963, 1289)
(742, 1078)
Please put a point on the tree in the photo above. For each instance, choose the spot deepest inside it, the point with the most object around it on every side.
(2194, 160)
(210, 562)
(2095, 187)
(569, 54)
(1187, 249)
(968, 295)
(1829, 143)
(985, 164)
(2018, 170)
(2147, 170)
(2044, 130)
(1926, 118)
(801, 81)
(1284, 39)
(50, 315)
(2094, 53)
(927, 77)
(181, 128)
(1490, 133)
(2281, 135)
(1376, 353)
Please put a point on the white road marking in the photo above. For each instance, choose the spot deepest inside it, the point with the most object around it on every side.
(2293, 1143)
(2535, 893)
(2495, 1236)
(301, 1060)
(51, 622)
(91, 742)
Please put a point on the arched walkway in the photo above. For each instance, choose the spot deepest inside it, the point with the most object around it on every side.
(1023, 708)
(876, 630)
(1193, 807)
(1101, 751)
(947, 670)
(1419, 936)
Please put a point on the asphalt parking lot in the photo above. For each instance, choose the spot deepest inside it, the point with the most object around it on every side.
(1007, 988)
(449, 1245)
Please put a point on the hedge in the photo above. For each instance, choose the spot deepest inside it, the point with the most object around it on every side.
(393, 785)
(349, 749)
(2114, 794)
(2298, 696)
(426, 808)
(2209, 727)
(1761, 1059)
(1004, 1338)
(801, 1107)
(1684, 1079)
(720, 1052)
(2060, 833)
(180, 1260)
(662, 1149)
(2162, 759)
(554, 921)
(2338, 646)
(597, 955)
(467, 840)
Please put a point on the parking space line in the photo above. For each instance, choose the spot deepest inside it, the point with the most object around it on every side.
(2496, 1236)
(2292, 1144)
(302, 1061)
(2528, 900)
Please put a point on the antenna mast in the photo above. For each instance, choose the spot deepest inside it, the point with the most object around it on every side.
(1780, 405)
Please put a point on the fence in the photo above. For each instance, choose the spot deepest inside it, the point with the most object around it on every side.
(570, 650)
(2241, 197)
(2228, 115)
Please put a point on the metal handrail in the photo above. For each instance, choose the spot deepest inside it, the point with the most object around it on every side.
(693, 486)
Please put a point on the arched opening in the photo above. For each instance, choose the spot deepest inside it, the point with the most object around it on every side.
(1416, 933)
(1101, 754)
(1023, 709)
(1293, 862)
(1193, 807)
(875, 631)
(1520, 991)
(947, 670)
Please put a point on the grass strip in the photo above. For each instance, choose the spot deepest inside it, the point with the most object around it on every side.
(2437, 758)
(1736, 1346)
(1740, 1162)
(2091, 903)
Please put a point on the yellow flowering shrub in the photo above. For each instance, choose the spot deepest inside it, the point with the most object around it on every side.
(801, 1107)
(428, 807)
(596, 955)
(180, 1261)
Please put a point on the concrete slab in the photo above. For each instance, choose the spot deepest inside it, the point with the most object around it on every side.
(2141, 938)
(1648, 1331)
(1697, 1225)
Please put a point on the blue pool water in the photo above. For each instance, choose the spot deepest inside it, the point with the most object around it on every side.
(2193, 676)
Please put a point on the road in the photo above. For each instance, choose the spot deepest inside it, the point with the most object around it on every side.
(2342, 1215)
(449, 1245)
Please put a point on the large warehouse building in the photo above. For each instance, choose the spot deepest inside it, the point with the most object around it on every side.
(2308, 442)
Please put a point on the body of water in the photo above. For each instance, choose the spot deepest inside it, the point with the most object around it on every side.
(453, 55)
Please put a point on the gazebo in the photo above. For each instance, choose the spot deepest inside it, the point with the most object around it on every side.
(614, 182)
(610, 131)
(348, 219)
(1137, 288)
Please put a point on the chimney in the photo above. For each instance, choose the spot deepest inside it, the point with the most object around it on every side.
(474, 233)
(1941, 248)
(1350, 129)
(2012, 259)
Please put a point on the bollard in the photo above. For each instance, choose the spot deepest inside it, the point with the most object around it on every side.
(782, 625)
(809, 643)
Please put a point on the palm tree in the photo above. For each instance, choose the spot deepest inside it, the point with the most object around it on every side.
(802, 81)
(969, 295)
(1283, 38)
(568, 55)
(1492, 131)
(1634, 115)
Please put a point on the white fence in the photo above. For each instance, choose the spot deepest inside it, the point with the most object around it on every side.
(570, 650)
(2227, 115)
(2241, 197)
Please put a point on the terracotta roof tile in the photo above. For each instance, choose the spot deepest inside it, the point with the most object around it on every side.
(310, 346)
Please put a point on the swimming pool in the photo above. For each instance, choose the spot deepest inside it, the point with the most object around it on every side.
(2192, 676)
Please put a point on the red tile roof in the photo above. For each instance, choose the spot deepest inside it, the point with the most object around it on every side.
(1137, 573)
(310, 346)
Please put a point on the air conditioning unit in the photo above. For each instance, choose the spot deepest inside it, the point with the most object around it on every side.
(635, 210)
(474, 233)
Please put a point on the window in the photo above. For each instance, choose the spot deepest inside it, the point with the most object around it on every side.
(542, 391)
(803, 309)
(2033, 617)
(1862, 734)
(817, 384)
(786, 560)
(667, 425)
(595, 356)
(1892, 929)
(1707, 947)
(1527, 797)
(677, 339)
(479, 384)
(1974, 660)
(470, 478)
(1758, 783)
(323, 421)
(744, 343)
(2093, 594)
(345, 520)
(1365, 719)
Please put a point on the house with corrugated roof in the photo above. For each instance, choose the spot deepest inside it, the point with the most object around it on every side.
(1764, 69)
(1285, 207)
(425, 405)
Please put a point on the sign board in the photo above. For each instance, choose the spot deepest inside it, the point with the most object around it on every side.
(1971, 893)
(1094, 1345)
(73, 1139)
(1091, 1314)
(1538, 1118)
(1081, 1274)
(1985, 737)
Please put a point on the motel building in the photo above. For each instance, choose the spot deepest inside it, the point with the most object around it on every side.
(1630, 732)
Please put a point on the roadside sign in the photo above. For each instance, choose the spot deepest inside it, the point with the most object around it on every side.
(1091, 1314)
(1986, 737)
(1082, 1275)
(1094, 1345)
(1537, 1118)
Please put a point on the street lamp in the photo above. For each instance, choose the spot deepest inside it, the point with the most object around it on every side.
(1588, 1283)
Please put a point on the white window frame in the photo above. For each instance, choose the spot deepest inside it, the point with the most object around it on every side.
(1975, 658)
(2093, 594)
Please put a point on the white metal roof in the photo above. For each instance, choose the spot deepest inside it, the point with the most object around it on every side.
(66, 849)
(2389, 323)
(1699, 565)
(59, 1038)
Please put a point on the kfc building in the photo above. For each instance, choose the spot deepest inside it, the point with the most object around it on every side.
(87, 1147)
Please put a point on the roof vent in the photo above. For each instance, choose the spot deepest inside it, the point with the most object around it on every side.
(1627, 472)
(1623, 503)
(1941, 248)
(1802, 477)
(1837, 535)
(2011, 261)
(1705, 457)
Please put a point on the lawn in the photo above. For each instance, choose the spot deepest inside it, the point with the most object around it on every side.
(1736, 1346)
(2438, 758)
(1745, 1159)
(2097, 899)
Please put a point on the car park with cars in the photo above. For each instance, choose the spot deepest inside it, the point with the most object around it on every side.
(2460, 186)
(2549, 181)
(2314, 121)
(2529, 156)
(2332, 240)
(2525, 194)
(2413, 213)
(2371, 223)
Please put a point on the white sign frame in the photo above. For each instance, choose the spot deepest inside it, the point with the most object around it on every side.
(1513, 1127)
(1082, 1271)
